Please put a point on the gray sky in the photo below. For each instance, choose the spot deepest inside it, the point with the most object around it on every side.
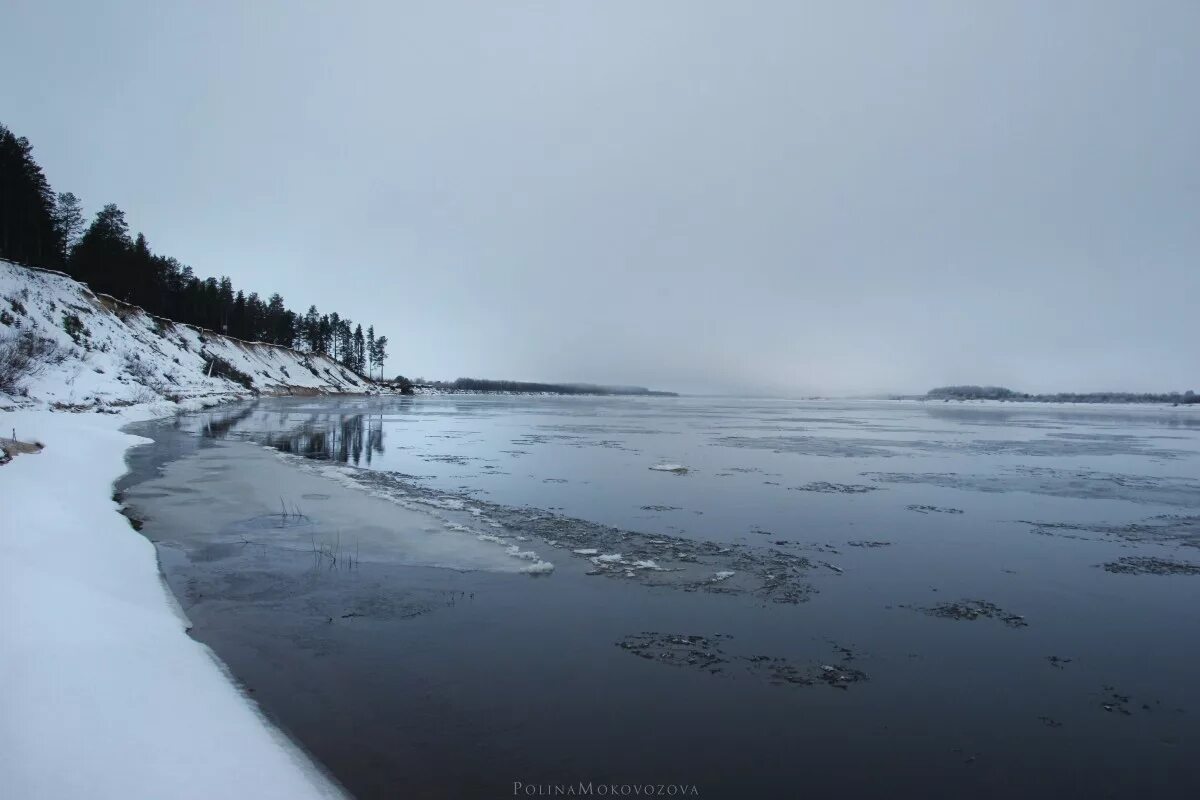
(791, 197)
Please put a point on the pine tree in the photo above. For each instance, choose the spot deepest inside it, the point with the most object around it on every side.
(379, 354)
(346, 343)
(100, 259)
(359, 362)
(225, 302)
(311, 330)
(140, 283)
(237, 317)
(370, 349)
(324, 334)
(28, 233)
(256, 318)
(335, 333)
(68, 221)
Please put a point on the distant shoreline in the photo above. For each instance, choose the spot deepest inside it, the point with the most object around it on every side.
(489, 386)
(1001, 394)
(436, 390)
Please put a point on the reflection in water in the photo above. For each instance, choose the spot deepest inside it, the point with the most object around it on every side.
(217, 425)
(345, 438)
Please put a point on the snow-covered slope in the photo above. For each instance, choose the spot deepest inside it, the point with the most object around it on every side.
(96, 351)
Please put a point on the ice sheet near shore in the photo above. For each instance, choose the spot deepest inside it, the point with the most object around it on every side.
(245, 489)
(104, 693)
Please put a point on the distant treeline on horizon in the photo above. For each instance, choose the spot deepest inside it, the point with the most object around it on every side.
(971, 392)
(485, 385)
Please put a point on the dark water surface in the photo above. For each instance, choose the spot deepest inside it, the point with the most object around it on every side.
(837, 599)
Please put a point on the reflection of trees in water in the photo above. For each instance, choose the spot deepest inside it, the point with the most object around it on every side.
(344, 439)
(374, 436)
(324, 436)
(217, 424)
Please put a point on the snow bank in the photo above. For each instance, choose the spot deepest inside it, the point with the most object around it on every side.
(104, 352)
(104, 694)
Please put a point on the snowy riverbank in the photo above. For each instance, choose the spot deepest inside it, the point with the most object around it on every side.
(105, 694)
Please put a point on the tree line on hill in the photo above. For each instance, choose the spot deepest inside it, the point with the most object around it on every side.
(970, 392)
(42, 229)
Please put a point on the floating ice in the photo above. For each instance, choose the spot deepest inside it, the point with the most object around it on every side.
(586, 551)
(647, 564)
(517, 552)
(611, 558)
(678, 469)
(723, 575)
(538, 568)
(452, 503)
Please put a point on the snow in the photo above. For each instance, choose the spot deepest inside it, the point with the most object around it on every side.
(123, 355)
(104, 693)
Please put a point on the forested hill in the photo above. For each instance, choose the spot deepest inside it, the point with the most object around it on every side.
(971, 392)
(43, 229)
(65, 345)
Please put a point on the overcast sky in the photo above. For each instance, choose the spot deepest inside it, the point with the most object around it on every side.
(788, 197)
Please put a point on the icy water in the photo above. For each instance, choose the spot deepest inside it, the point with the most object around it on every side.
(848, 599)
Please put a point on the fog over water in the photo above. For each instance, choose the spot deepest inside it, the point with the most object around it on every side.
(774, 197)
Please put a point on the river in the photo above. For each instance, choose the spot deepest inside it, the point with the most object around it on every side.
(444, 596)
